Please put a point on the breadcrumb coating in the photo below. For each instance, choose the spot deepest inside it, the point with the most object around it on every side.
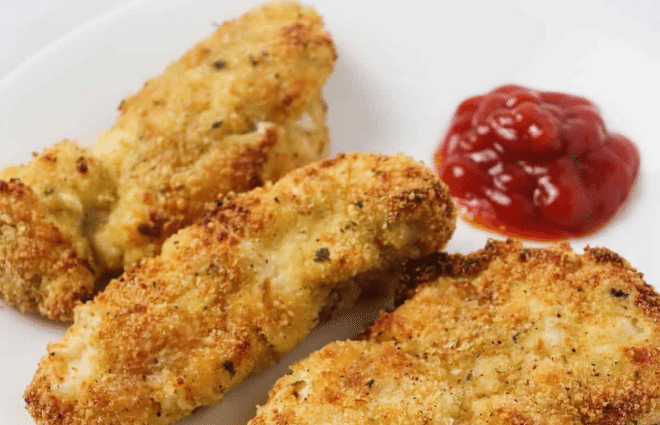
(237, 289)
(240, 108)
(508, 335)
(47, 209)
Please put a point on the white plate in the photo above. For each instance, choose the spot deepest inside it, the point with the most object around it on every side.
(401, 71)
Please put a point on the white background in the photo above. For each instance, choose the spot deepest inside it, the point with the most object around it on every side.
(26, 26)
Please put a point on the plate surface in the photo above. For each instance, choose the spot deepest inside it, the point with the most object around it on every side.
(401, 72)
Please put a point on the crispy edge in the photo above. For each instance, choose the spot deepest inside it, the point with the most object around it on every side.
(40, 268)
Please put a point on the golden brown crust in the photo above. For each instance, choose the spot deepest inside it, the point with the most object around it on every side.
(507, 335)
(47, 209)
(236, 290)
(240, 108)
(40, 269)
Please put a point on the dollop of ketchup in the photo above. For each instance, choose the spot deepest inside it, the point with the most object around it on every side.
(535, 164)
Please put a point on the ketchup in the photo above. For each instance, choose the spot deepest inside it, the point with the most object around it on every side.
(535, 164)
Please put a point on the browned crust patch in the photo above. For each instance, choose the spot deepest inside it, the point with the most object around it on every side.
(39, 268)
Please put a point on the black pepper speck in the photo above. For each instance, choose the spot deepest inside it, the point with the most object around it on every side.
(322, 254)
(229, 367)
(618, 293)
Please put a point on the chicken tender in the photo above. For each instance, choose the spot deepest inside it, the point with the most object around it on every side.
(46, 208)
(508, 335)
(237, 289)
(242, 107)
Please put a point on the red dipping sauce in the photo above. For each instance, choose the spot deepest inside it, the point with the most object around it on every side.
(535, 164)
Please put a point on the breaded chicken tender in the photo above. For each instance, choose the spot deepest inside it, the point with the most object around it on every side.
(240, 108)
(237, 289)
(46, 209)
(508, 335)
